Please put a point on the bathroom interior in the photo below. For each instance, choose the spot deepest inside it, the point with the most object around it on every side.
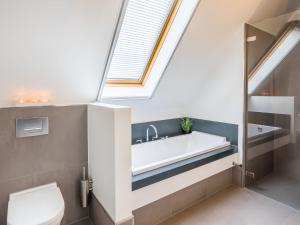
(157, 112)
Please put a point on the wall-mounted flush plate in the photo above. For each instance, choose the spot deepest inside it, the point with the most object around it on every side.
(28, 127)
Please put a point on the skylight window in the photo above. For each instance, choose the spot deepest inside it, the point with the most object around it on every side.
(284, 45)
(146, 37)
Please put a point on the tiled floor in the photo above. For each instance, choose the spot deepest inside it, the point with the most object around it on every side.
(83, 222)
(280, 188)
(236, 206)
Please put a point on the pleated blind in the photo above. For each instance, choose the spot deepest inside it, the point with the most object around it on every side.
(140, 30)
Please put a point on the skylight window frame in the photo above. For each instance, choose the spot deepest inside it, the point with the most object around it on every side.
(141, 82)
(252, 77)
(136, 91)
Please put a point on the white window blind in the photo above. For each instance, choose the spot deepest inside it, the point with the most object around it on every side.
(139, 33)
(148, 35)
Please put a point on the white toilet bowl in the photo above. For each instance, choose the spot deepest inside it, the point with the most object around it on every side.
(42, 205)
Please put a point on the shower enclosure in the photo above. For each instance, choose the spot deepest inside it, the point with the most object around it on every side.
(272, 153)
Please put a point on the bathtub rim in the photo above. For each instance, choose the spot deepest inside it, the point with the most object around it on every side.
(174, 159)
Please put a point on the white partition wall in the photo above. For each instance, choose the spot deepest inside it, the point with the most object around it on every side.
(109, 143)
(272, 104)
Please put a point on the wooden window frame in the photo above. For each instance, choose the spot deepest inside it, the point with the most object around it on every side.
(274, 47)
(141, 82)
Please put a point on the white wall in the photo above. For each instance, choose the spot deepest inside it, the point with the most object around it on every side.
(60, 47)
(205, 74)
(109, 146)
(272, 104)
(217, 53)
(57, 47)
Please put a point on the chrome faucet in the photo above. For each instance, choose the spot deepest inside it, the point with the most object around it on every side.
(155, 130)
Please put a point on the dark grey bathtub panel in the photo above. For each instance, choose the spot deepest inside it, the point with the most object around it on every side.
(230, 131)
(168, 128)
(267, 137)
(270, 119)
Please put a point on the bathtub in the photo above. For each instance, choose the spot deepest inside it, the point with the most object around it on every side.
(263, 139)
(257, 130)
(152, 155)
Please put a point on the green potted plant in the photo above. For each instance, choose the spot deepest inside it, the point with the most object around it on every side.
(186, 125)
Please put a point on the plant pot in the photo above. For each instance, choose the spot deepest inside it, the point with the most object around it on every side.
(186, 132)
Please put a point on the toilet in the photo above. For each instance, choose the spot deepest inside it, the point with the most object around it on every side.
(43, 205)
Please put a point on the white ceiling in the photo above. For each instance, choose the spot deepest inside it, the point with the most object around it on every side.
(60, 47)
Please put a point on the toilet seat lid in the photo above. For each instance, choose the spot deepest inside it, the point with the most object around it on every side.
(37, 206)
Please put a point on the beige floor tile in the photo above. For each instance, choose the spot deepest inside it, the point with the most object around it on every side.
(236, 206)
(293, 219)
(280, 188)
(173, 221)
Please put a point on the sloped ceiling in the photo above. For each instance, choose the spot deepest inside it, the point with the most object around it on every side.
(60, 47)
(54, 47)
(205, 76)
(275, 25)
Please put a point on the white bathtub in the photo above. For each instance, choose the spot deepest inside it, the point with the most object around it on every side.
(152, 155)
(257, 130)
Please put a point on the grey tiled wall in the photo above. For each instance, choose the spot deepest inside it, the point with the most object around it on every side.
(170, 205)
(228, 130)
(99, 216)
(164, 208)
(270, 119)
(58, 156)
(171, 127)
